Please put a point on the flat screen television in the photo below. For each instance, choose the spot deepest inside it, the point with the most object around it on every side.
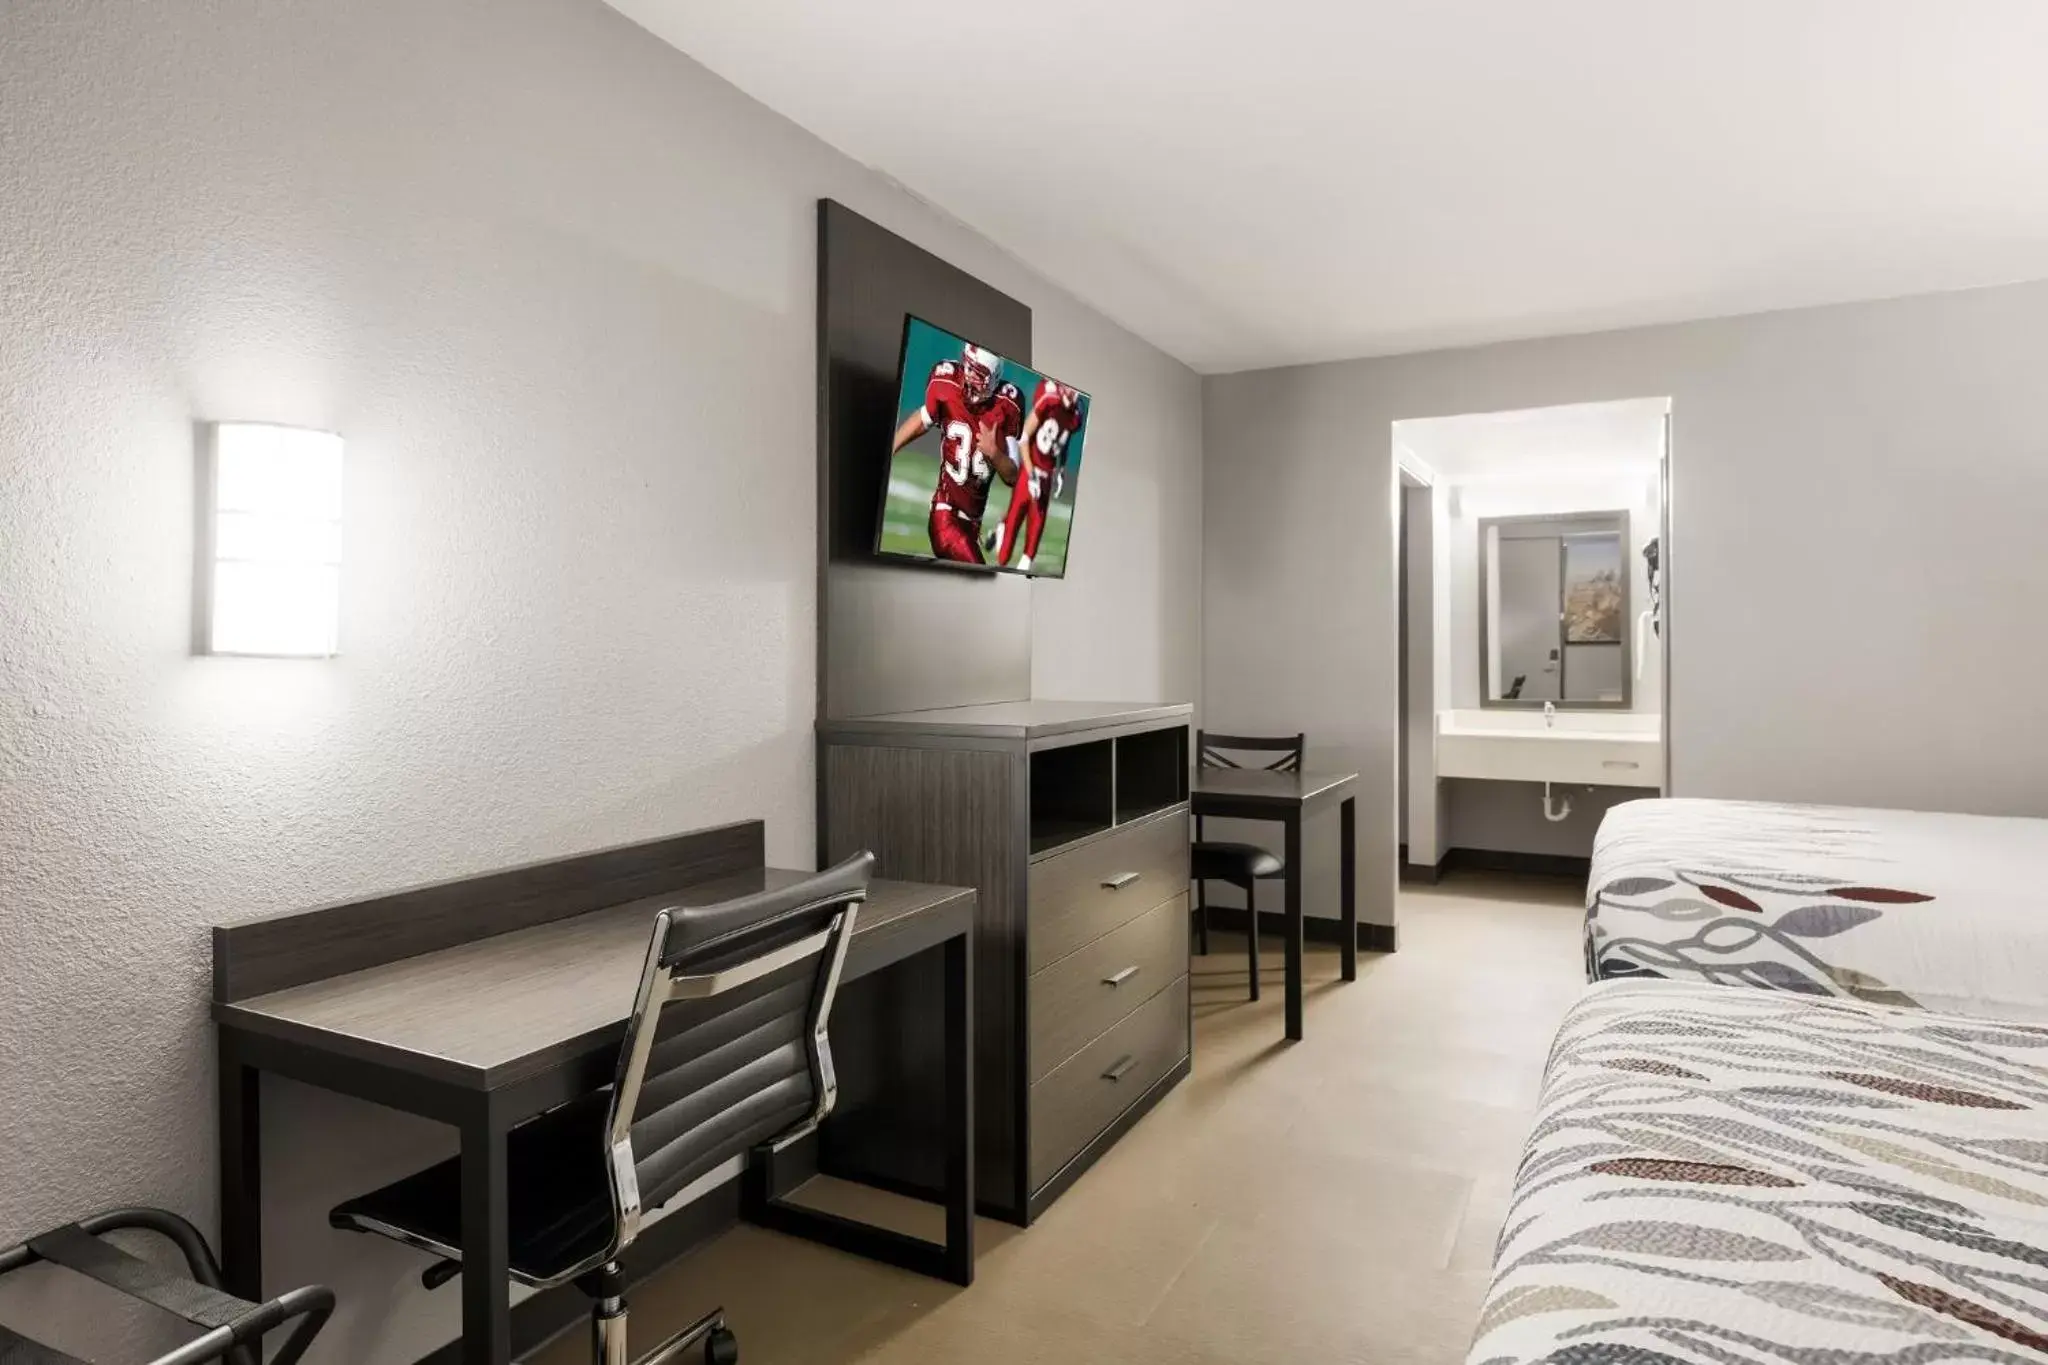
(985, 462)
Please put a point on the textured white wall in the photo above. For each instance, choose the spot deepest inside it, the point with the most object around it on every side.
(1856, 501)
(555, 284)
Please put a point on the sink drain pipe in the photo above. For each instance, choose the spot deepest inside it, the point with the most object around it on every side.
(1563, 812)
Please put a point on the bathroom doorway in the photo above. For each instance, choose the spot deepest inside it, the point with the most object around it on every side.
(1533, 641)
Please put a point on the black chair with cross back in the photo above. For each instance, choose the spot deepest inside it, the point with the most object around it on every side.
(1241, 865)
(742, 1065)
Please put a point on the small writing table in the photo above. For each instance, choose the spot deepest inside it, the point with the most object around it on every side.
(1288, 798)
(488, 1027)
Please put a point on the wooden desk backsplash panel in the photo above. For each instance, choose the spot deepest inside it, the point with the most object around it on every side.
(275, 953)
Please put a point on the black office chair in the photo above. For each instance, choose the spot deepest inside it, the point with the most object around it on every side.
(234, 1327)
(754, 1071)
(1241, 865)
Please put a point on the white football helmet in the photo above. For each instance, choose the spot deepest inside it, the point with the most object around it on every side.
(980, 368)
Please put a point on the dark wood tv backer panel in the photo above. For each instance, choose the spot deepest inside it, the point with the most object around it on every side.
(898, 637)
(1067, 817)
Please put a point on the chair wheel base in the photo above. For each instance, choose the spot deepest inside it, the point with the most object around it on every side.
(708, 1335)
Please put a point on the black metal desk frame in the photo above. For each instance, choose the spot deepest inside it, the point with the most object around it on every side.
(484, 1105)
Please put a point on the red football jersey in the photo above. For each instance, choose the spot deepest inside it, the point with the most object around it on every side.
(964, 471)
(1058, 410)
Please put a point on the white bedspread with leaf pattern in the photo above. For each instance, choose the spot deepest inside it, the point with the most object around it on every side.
(1947, 912)
(1728, 1177)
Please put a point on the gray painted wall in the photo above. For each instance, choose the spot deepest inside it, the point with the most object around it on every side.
(555, 283)
(1855, 500)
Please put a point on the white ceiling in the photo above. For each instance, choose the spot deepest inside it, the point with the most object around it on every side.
(1260, 183)
(1581, 440)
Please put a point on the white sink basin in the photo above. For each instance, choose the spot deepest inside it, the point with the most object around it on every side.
(1595, 748)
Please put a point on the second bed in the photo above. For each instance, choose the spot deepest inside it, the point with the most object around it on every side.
(1905, 908)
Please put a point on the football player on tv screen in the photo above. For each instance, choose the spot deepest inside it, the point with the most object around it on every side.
(978, 415)
(1057, 412)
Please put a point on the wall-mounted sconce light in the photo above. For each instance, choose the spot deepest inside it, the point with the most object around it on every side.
(272, 549)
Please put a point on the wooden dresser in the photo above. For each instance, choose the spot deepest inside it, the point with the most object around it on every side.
(1070, 819)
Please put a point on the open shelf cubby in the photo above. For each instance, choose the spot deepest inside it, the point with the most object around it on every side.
(1078, 790)
(1073, 793)
(1151, 772)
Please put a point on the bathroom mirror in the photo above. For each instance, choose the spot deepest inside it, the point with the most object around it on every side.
(1554, 616)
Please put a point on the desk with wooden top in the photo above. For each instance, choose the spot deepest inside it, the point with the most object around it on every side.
(483, 1002)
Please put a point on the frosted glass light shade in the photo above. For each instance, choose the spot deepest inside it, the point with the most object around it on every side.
(274, 574)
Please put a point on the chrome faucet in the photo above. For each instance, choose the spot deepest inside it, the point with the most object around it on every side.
(1549, 714)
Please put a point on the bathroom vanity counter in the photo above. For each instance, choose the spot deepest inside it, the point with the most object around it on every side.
(1594, 748)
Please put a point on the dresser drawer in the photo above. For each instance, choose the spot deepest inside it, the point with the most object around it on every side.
(1084, 1094)
(1085, 892)
(1089, 989)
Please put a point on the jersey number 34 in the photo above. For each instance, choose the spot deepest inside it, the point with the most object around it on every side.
(964, 464)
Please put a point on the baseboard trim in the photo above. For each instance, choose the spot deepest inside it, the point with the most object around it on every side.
(1566, 865)
(1372, 938)
(1412, 874)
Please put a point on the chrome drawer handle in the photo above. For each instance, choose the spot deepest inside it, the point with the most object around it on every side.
(1619, 763)
(1116, 1073)
(1125, 975)
(1119, 883)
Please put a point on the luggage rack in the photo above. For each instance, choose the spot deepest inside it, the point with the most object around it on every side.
(234, 1327)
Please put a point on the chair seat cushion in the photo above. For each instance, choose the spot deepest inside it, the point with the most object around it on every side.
(558, 1202)
(1234, 862)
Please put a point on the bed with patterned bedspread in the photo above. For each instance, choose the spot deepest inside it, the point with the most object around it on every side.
(1724, 1177)
(1944, 912)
